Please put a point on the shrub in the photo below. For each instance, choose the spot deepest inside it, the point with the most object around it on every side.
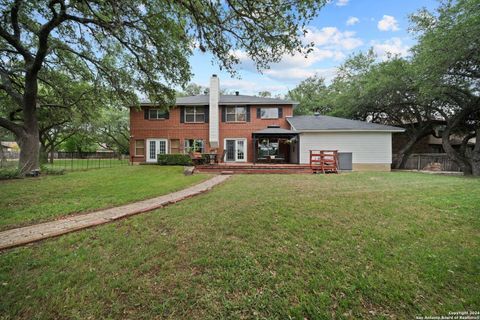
(174, 160)
(9, 173)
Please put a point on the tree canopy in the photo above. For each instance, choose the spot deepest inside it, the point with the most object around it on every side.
(127, 47)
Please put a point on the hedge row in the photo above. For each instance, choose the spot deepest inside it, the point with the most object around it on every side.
(174, 160)
(181, 159)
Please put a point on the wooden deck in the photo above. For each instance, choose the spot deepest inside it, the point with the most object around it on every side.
(254, 168)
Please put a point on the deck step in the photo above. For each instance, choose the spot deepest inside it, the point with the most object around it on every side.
(227, 172)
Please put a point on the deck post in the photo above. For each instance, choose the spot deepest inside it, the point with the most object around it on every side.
(254, 143)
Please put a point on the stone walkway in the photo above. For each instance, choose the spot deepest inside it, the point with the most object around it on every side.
(20, 236)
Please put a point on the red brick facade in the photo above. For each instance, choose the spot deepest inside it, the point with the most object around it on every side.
(172, 129)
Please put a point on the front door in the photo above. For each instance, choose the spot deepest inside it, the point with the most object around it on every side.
(236, 150)
(154, 148)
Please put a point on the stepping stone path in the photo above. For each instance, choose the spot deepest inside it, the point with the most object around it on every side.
(20, 236)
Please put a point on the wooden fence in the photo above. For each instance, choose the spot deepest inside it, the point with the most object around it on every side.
(418, 161)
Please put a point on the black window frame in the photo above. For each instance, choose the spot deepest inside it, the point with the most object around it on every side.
(236, 114)
(195, 114)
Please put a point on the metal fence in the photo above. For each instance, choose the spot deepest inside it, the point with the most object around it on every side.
(418, 161)
(75, 160)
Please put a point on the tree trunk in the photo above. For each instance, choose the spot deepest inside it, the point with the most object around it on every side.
(52, 155)
(3, 159)
(29, 151)
(43, 154)
(29, 138)
(405, 152)
(475, 157)
(461, 160)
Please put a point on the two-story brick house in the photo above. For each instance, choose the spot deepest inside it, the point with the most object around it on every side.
(252, 129)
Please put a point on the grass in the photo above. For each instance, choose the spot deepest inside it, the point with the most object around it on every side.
(350, 246)
(33, 200)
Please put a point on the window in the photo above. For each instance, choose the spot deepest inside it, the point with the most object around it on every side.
(194, 114)
(175, 146)
(269, 113)
(194, 145)
(139, 148)
(236, 114)
(156, 114)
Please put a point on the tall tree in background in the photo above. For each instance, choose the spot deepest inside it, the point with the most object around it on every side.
(130, 45)
(447, 57)
(112, 130)
(312, 96)
(384, 92)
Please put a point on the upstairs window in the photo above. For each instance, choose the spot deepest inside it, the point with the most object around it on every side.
(155, 114)
(236, 114)
(194, 114)
(269, 113)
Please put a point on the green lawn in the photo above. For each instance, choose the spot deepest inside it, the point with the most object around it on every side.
(349, 246)
(38, 199)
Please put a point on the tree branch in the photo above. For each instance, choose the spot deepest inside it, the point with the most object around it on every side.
(11, 126)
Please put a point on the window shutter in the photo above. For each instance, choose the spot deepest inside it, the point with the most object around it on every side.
(259, 113)
(145, 113)
(223, 114)
(182, 114)
(206, 114)
(248, 113)
(280, 112)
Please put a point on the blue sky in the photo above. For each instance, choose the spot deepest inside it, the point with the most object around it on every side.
(343, 27)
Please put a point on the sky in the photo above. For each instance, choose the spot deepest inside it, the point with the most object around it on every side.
(342, 28)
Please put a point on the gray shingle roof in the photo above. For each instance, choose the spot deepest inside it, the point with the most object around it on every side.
(202, 100)
(324, 123)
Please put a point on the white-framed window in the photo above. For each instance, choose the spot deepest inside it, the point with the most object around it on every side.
(193, 145)
(139, 148)
(194, 114)
(236, 114)
(155, 114)
(269, 113)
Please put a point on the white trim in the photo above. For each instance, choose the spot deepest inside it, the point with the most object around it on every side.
(147, 147)
(244, 146)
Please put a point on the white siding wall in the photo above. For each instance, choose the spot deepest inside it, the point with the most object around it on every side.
(366, 147)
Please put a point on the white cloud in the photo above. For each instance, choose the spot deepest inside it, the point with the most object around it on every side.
(296, 74)
(293, 61)
(250, 87)
(352, 21)
(331, 37)
(393, 46)
(388, 23)
(341, 3)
